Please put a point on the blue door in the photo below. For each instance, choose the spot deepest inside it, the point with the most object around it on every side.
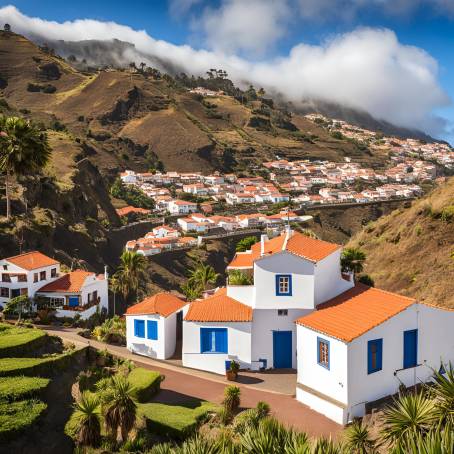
(282, 349)
(73, 301)
(410, 348)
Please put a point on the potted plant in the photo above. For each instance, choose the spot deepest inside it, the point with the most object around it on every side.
(232, 372)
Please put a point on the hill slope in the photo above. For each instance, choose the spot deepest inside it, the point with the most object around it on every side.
(411, 251)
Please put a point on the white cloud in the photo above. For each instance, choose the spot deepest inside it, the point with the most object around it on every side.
(179, 8)
(366, 69)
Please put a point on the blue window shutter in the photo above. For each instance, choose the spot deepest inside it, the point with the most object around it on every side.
(290, 285)
(152, 329)
(277, 283)
(213, 340)
(377, 345)
(139, 328)
(205, 340)
(221, 340)
(410, 348)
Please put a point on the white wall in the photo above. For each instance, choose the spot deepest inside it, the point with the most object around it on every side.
(83, 315)
(243, 293)
(238, 341)
(143, 345)
(93, 284)
(328, 278)
(302, 272)
(265, 321)
(332, 382)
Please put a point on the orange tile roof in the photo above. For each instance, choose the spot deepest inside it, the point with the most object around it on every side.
(298, 244)
(129, 209)
(163, 304)
(32, 260)
(68, 283)
(355, 312)
(219, 308)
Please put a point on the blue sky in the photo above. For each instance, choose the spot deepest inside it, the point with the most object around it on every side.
(429, 26)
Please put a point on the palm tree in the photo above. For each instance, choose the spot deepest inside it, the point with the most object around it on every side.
(409, 416)
(23, 149)
(131, 270)
(358, 439)
(352, 260)
(442, 392)
(121, 407)
(203, 275)
(192, 290)
(231, 400)
(88, 418)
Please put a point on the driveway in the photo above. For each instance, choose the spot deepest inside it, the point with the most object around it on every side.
(181, 382)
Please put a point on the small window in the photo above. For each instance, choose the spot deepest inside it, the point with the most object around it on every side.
(410, 348)
(4, 292)
(139, 328)
(152, 329)
(42, 276)
(213, 340)
(282, 312)
(35, 277)
(6, 278)
(283, 285)
(5, 267)
(53, 272)
(374, 355)
(323, 352)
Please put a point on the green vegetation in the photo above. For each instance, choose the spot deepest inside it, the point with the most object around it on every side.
(175, 421)
(245, 243)
(23, 149)
(146, 383)
(112, 331)
(18, 305)
(203, 275)
(17, 388)
(86, 420)
(192, 290)
(131, 270)
(15, 417)
(16, 341)
(131, 195)
(238, 277)
(352, 260)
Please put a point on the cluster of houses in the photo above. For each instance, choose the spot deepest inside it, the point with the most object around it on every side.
(39, 277)
(206, 92)
(352, 345)
(439, 152)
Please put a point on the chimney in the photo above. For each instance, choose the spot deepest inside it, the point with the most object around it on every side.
(106, 274)
(263, 238)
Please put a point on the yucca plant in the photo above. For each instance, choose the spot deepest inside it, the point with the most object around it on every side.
(224, 442)
(198, 445)
(88, 418)
(442, 392)
(121, 408)
(162, 448)
(433, 442)
(327, 446)
(358, 439)
(407, 418)
(297, 443)
(268, 438)
(231, 400)
(251, 417)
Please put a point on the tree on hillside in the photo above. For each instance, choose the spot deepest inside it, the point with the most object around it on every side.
(142, 66)
(131, 270)
(192, 290)
(352, 260)
(88, 418)
(18, 305)
(245, 243)
(203, 275)
(23, 149)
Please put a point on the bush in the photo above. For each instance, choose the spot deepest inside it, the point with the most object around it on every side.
(46, 366)
(17, 388)
(18, 342)
(132, 196)
(146, 383)
(15, 417)
(175, 421)
(447, 214)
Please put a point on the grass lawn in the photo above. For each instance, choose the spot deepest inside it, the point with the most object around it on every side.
(146, 383)
(16, 388)
(18, 416)
(14, 340)
(175, 421)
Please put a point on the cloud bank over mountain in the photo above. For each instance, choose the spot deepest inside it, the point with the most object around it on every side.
(366, 69)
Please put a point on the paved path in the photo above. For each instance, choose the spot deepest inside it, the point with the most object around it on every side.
(189, 383)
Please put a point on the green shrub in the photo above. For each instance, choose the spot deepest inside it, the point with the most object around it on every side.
(17, 388)
(15, 417)
(18, 341)
(175, 421)
(146, 383)
(46, 366)
(447, 213)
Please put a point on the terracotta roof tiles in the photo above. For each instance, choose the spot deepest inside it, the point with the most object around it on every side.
(68, 283)
(32, 260)
(163, 304)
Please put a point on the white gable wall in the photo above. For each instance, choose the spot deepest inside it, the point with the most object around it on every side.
(238, 341)
(143, 345)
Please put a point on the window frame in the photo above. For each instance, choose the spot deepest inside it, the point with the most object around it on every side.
(282, 312)
(409, 366)
(35, 278)
(4, 292)
(41, 274)
(321, 340)
(149, 323)
(211, 332)
(378, 343)
(53, 272)
(137, 322)
(278, 285)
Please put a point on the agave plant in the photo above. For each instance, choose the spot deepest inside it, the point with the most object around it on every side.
(269, 437)
(442, 392)
(358, 439)
(327, 446)
(231, 400)
(88, 418)
(409, 416)
(198, 445)
(433, 442)
(251, 417)
(162, 448)
(297, 443)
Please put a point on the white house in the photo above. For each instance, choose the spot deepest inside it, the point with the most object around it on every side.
(360, 346)
(128, 177)
(181, 207)
(78, 292)
(24, 274)
(154, 325)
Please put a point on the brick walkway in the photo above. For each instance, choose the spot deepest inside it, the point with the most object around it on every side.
(181, 383)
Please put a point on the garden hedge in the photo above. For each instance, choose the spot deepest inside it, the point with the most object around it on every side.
(45, 366)
(146, 383)
(16, 341)
(15, 417)
(18, 388)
